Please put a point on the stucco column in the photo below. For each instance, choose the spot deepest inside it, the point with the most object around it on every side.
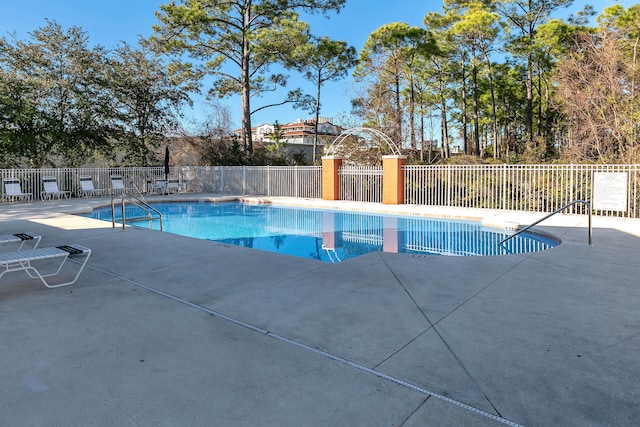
(330, 178)
(393, 179)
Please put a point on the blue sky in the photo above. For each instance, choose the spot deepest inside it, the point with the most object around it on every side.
(109, 21)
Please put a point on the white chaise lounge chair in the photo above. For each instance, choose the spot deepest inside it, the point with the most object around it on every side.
(12, 190)
(174, 185)
(117, 185)
(45, 258)
(19, 239)
(87, 189)
(51, 189)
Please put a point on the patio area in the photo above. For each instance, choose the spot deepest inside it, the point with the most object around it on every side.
(167, 330)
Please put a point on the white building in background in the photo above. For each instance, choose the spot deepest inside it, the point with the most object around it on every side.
(297, 136)
(300, 132)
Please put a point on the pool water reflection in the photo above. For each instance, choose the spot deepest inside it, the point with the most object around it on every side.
(331, 236)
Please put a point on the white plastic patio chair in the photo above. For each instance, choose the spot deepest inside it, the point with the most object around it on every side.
(51, 190)
(21, 239)
(12, 190)
(160, 186)
(45, 259)
(117, 185)
(87, 189)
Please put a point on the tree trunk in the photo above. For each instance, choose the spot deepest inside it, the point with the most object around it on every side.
(315, 125)
(412, 119)
(493, 106)
(398, 118)
(465, 136)
(539, 85)
(548, 133)
(633, 77)
(474, 81)
(422, 132)
(529, 106)
(634, 64)
(443, 121)
(246, 87)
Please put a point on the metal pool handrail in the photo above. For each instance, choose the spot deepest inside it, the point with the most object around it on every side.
(142, 204)
(552, 214)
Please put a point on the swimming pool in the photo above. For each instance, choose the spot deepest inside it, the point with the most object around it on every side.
(330, 236)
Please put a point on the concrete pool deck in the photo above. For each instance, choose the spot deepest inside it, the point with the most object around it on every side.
(167, 330)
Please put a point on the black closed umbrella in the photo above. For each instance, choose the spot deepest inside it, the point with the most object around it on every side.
(166, 168)
(166, 163)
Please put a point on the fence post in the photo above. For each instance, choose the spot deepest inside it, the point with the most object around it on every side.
(571, 198)
(244, 180)
(393, 179)
(330, 177)
(449, 186)
(632, 213)
(504, 186)
(268, 180)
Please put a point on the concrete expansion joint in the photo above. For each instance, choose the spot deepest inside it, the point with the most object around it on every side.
(303, 346)
(432, 326)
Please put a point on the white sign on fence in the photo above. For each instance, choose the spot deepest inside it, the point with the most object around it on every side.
(610, 191)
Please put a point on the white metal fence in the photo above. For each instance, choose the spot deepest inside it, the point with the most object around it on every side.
(285, 181)
(68, 178)
(277, 181)
(360, 183)
(533, 188)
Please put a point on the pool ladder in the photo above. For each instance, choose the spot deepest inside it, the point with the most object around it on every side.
(140, 202)
(585, 202)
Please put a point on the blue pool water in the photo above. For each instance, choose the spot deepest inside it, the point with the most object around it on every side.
(330, 236)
